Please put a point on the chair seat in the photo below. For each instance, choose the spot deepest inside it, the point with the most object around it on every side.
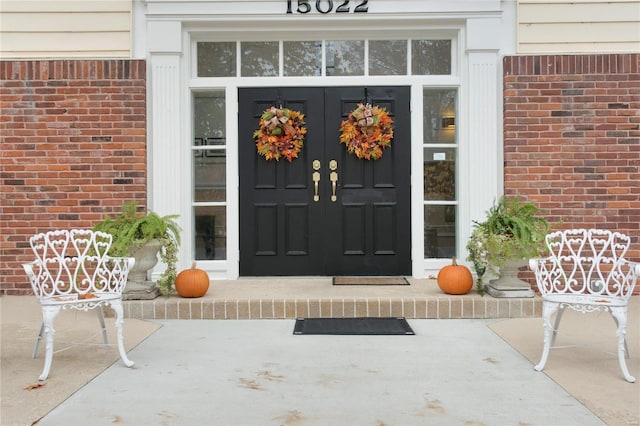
(77, 299)
(586, 299)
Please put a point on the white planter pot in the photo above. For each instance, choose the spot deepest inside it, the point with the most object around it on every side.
(146, 258)
(509, 285)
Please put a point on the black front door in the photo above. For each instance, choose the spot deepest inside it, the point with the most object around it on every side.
(365, 229)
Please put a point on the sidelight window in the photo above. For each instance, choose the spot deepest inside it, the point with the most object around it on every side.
(209, 157)
(440, 169)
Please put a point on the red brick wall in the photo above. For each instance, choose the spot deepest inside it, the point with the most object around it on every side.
(73, 149)
(572, 139)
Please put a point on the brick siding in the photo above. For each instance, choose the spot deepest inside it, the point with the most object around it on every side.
(73, 149)
(572, 139)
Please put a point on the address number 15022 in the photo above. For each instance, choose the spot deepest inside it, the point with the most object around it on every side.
(326, 6)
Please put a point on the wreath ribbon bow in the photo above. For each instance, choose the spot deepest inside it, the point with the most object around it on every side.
(278, 118)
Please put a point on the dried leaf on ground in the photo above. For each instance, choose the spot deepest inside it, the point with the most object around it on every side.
(34, 386)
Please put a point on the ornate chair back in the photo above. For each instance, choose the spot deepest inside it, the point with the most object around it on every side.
(73, 265)
(587, 262)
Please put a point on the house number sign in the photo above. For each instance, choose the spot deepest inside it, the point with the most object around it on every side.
(326, 6)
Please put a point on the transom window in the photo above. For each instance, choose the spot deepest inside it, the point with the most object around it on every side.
(323, 58)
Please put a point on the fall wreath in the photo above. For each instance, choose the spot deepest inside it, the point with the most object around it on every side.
(281, 134)
(367, 131)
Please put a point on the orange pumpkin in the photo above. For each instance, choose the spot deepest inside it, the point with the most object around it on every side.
(192, 282)
(455, 279)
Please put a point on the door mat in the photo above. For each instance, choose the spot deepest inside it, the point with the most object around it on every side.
(370, 281)
(353, 326)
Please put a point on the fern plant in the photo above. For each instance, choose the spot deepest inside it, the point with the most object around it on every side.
(511, 230)
(131, 231)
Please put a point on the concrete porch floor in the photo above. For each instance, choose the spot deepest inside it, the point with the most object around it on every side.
(294, 297)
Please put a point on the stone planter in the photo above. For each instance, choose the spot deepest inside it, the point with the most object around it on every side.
(508, 284)
(138, 286)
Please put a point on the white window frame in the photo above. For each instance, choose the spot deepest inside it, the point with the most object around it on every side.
(228, 269)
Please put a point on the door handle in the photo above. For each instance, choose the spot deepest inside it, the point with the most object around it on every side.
(334, 183)
(333, 177)
(316, 180)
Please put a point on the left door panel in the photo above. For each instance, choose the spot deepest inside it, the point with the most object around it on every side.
(278, 217)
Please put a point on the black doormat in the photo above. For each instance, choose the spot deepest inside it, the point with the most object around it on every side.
(370, 281)
(353, 326)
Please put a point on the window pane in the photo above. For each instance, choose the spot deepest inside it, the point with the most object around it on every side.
(439, 231)
(302, 58)
(429, 57)
(210, 233)
(439, 174)
(388, 57)
(439, 115)
(216, 59)
(259, 58)
(210, 175)
(209, 118)
(345, 57)
(209, 165)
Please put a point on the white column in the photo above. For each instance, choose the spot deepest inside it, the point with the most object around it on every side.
(484, 101)
(164, 142)
(164, 115)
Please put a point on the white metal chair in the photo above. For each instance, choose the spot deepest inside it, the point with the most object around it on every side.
(73, 271)
(586, 272)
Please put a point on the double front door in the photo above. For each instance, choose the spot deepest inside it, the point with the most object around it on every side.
(327, 212)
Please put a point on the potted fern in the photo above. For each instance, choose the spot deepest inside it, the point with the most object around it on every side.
(145, 235)
(511, 233)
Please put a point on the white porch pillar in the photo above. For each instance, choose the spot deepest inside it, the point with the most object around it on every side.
(163, 142)
(485, 117)
(164, 49)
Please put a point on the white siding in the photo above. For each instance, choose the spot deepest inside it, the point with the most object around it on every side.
(65, 29)
(578, 26)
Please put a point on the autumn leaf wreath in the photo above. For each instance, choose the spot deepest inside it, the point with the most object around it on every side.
(367, 131)
(281, 134)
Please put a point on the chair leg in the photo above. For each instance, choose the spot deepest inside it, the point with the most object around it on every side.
(548, 309)
(102, 326)
(620, 315)
(626, 348)
(117, 307)
(38, 338)
(556, 326)
(48, 315)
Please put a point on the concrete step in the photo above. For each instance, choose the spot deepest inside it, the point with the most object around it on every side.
(279, 298)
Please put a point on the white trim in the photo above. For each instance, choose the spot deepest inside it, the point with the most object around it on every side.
(227, 21)
(417, 189)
